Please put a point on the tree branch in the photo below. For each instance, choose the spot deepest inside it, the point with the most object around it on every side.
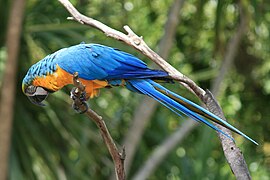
(232, 153)
(118, 157)
(136, 42)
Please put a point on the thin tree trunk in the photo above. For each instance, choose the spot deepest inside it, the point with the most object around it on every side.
(9, 83)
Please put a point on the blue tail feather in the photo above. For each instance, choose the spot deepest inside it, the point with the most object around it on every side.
(180, 105)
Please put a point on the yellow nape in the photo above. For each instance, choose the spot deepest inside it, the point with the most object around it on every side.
(54, 81)
(60, 78)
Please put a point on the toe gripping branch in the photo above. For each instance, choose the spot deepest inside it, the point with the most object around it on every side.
(78, 95)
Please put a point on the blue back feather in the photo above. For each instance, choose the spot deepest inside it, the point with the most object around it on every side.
(93, 61)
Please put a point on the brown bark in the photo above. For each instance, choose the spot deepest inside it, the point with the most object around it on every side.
(9, 83)
(118, 157)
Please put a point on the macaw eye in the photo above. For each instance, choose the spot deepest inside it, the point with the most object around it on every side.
(30, 90)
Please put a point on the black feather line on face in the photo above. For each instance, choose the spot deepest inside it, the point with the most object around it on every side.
(30, 90)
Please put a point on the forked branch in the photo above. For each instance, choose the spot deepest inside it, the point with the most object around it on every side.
(137, 42)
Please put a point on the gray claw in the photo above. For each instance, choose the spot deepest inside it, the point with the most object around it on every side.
(78, 100)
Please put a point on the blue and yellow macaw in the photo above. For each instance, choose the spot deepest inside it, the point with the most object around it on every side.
(100, 66)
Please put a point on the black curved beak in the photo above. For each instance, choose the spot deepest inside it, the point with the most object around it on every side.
(37, 99)
(35, 94)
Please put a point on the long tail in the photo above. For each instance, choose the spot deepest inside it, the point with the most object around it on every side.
(180, 105)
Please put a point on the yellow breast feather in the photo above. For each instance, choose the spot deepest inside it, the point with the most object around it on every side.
(60, 78)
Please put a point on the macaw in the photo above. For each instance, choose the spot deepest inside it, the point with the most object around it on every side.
(99, 66)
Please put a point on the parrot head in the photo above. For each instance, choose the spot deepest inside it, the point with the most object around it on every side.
(35, 94)
(38, 82)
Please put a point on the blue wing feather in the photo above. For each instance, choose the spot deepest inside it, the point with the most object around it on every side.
(94, 61)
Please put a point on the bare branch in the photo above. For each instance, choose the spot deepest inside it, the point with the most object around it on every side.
(118, 157)
(137, 42)
(232, 153)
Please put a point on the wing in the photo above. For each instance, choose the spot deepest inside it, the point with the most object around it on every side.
(93, 61)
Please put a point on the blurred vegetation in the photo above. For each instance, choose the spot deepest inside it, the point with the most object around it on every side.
(54, 142)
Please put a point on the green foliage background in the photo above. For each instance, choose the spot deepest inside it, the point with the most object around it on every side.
(55, 142)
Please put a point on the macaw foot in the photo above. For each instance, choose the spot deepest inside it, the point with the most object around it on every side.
(79, 101)
(74, 95)
(77, 108)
